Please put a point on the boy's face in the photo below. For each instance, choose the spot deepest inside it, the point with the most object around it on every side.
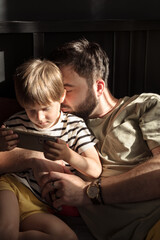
(79, 100)
(43, 116)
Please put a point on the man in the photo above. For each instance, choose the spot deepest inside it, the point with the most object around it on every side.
(125, 202)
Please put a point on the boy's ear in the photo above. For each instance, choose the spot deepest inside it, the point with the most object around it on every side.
(63, 97)
(100, 86)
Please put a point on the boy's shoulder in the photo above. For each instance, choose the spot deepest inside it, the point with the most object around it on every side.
(71, 117)
(17, 119)
(18, 114)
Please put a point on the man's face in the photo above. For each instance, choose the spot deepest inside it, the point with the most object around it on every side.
(80, 100)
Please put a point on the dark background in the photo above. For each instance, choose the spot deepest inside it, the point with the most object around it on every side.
(78, 9)
(134, 51)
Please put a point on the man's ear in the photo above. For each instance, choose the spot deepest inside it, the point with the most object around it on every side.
(63, 96)
(100, 86)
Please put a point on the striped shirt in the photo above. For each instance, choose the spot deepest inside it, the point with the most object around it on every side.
(69, 128)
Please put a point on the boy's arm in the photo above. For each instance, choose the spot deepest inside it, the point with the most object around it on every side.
(88, 163)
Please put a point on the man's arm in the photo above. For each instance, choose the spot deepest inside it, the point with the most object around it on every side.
(19, 159)
(15, 160)
(139, 184)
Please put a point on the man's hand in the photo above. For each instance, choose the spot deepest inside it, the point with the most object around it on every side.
(67, 189)
(8, 140)
(44, 166)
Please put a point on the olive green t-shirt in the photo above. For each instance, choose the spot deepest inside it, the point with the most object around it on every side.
(126, 135)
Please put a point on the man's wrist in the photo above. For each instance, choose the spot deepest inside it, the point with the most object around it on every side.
(94, 192)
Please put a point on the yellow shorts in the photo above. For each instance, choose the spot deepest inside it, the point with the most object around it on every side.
(28, 203)
(154, 233)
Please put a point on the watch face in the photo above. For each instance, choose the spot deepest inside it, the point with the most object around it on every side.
(92, 191)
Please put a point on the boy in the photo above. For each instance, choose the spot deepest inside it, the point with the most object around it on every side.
(39, 90)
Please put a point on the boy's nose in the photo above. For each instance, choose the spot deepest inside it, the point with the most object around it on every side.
(40, 115)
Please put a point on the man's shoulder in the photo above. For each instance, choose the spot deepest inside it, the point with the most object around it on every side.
(142, 98)
(127, 106)
(149, 96)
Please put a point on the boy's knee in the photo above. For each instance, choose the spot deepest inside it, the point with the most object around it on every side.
(72, 236)
(69, 235)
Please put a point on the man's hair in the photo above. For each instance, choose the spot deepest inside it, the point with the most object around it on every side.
(38, 81)
(86, 58)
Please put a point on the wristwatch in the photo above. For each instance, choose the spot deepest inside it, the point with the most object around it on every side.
(93, 191)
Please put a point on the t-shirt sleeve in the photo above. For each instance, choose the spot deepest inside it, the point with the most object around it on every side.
(84, 138)
(150, 122)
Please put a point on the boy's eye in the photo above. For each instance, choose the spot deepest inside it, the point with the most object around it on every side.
(46, 109)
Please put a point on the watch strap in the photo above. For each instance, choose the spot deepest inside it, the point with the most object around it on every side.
(100, 191)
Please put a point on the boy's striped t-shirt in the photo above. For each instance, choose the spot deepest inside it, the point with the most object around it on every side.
(69, 128)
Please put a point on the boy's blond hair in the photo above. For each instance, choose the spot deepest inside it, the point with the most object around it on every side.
(38, 81)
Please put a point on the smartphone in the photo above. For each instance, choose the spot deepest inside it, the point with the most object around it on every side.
(32, 140)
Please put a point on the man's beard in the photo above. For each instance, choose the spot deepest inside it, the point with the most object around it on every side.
(87, 106)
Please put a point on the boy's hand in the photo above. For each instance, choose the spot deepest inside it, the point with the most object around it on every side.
(57, 150)
(8, 140)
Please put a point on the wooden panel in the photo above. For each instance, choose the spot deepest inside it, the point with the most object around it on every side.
(153, 63)
(132, 47)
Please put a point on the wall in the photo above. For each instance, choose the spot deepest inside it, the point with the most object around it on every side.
(133, 49)
(78, 9)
